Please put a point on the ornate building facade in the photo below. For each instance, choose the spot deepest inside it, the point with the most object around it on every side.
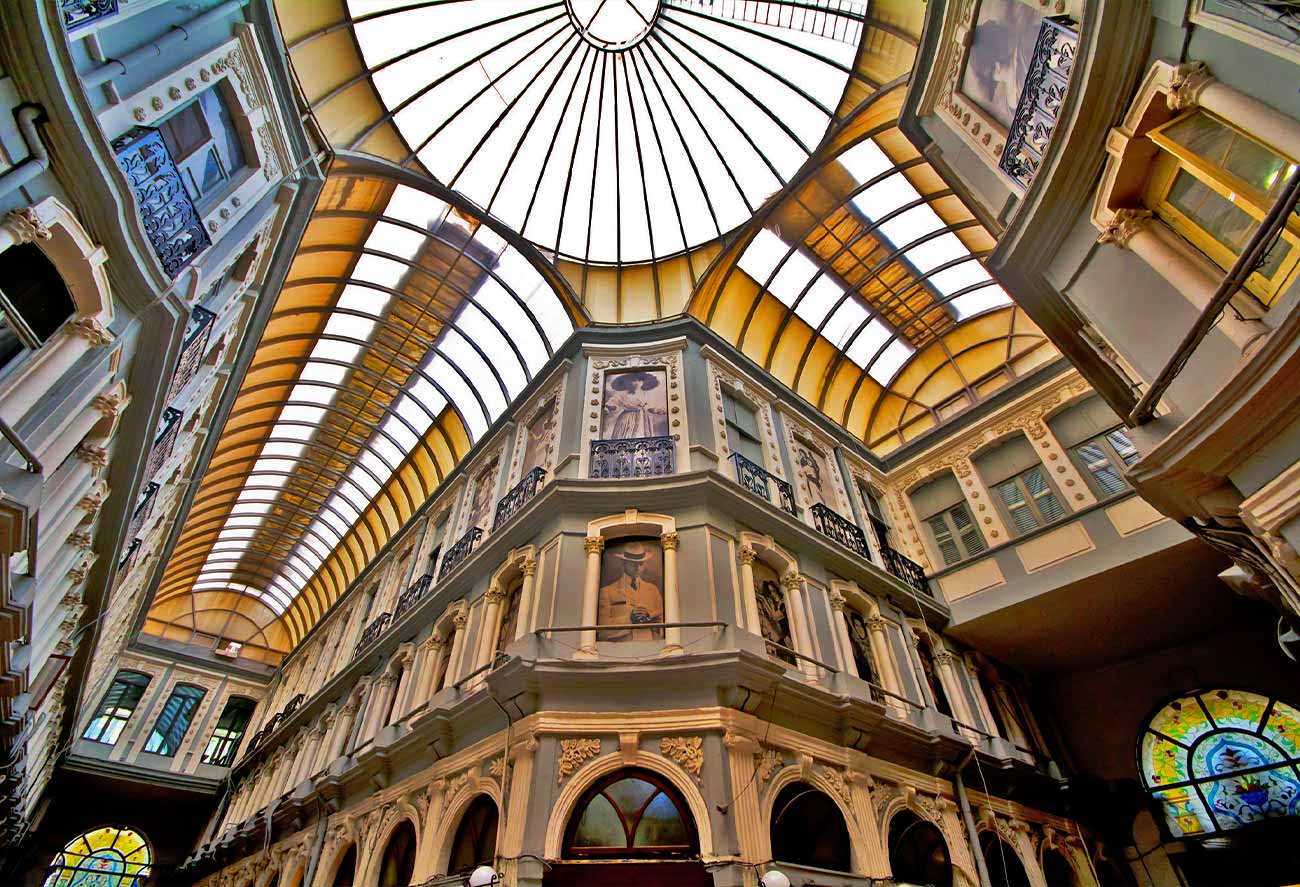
(649, 442)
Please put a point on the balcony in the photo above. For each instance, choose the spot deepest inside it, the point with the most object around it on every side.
(197, 332)
(412, 595)
(755, 478)
(457, 554)
(631, 457)
(1040, 100)
(164, 442)
(906, 569)
(842, 530)
(372, 631)
(518, 496)
(79, 13)
(128, 557)
(142, 509)
(171, 220)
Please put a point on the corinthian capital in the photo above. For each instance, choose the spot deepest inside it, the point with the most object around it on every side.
(594, 545)
(24, 225)
(108, 404)
(95, 457)
(1123, 225)
(92, 331)
(747, 554)
(669, 541)
(1189, 81)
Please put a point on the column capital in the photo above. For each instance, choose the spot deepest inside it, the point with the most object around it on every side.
(837, 601)
(1124, 224)
(460, 620)
(529, 567)
(495, 594)
(91, 502)
(943, 658)
(92, 455)
(747, 555)
(24, 225)
(94, 332)
(877, 622)
(792, 581)
(1189, 81)
(594, 545)
(108, 405)
(669, 541)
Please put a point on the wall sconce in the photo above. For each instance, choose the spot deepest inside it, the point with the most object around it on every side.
(484, 876)
(773, 878)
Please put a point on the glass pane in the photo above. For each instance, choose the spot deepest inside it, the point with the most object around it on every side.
(1048, 505)
(745, 444)
(213, 173)
(1208, 137)
(1123, 446)
(600, 826)
(660, 825)
(1021, 514)
(629, 794)
(1269, 794)
(185, 131)
(1220, 219)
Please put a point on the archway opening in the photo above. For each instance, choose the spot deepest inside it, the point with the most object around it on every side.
(399, 857)
(345, 873)
(115, 856)
(918, 853)
(1004, 865)
(1057, 869)
(808, 829)
(35, 300)
(475, 843)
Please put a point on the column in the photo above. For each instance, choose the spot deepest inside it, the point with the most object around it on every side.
(1193, 84)
(526, 598)
(458, 622)
(977, 688)
(346, 720)
(328, 721)
(1007, 708)
(748, 589)
(672, 595)
(947, 674)
(750, 829)
(380, 704)
(1185, 269)
(875, 853)
(792, 582)
(878, 632)
(927, 696)
(1057, 462)
(843, 642)
(430, 657)
(406, 660)
(426, 858)
(490, 633)
(593, 545)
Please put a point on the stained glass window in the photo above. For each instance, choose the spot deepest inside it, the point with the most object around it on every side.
(630, 814)
(1221, 759)
(111, 856)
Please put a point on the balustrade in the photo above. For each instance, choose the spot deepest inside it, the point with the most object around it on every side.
(906, 569)
(842, 530)
(171, 220)
(457, 554)
(518, 496)
(412, 595)
(193, 347)
(373, 631)
(1041, 99)
(631, 457)
(164, 442)
(142, 509)
(755, 478)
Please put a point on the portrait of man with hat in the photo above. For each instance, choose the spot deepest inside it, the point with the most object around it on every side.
(629, 593)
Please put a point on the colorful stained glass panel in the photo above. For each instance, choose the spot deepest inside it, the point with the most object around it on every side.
(111, 856)
(1235, 708)
(1181, 720)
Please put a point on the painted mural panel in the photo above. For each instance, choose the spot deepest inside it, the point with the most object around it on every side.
(773, 617)
(631, 590)
(481, 501)
(816, 474)
(537, 442)
(1001, 48)
(510, 614)
(860, 641)
(635, 404)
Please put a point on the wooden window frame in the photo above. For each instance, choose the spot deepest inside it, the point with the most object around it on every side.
(1031, 501)
(735, 433)
(1113, 458)
(954, 533)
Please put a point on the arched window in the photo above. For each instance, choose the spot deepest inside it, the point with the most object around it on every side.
(1221, 759)
(1004, 865)
(1057, 869)
(476, 837)
(34, 300)
(918, 853)
(112, 856)
(808, 829)
(631, 814)
(345, 872)
(399, 857)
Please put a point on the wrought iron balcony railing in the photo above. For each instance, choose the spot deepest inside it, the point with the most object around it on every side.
(755, 478)
(142, 509)
(373, 631)
(164, 442)
(292, 705)
(171, 220)
(631, 457)
(518, 496)
(906, 569)
(412, 595)
(840, 529)
(1041, 98)
(128, 556)
(197, 332)
(463, 548)
(79, 13)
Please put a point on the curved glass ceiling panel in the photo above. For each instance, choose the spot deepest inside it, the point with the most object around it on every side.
(612, 131)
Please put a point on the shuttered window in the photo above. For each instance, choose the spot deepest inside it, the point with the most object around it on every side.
(174, 722)
(1029, 501)
(742, 428)
(1102, 457)
(119, 702)
(955, 534)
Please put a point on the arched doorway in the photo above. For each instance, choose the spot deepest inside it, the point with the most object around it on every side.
(345, 872)
(1057, 870)
(475, 843)
(808, 829)
(631, 827)
(1004, 865)
(918, 853)
(399, 857)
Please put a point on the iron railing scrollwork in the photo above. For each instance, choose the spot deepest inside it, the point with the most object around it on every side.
(373, 631)
(79, 13)
(518, 496)
(142, 510)
(457, 554)
(128, 556)
(631, 457)
(842, 530)
(193, 347)
(755, 478)
(171, 220)
(1041, 98)
(412, 595)
(906, 569)
(164, 442)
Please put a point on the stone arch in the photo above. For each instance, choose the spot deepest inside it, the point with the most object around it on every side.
(918, 815)
(565, 803)
(399, 811)
(295, 870)
(329, 866)
(1014, 837)
(859, 836)
(455, 808)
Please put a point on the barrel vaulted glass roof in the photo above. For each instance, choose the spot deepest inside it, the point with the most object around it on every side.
(503, 172)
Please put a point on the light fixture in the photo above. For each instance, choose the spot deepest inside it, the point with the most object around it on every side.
(774, 878)
(484, 876)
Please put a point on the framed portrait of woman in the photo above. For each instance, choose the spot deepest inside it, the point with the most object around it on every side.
(635, 404)
(631, 590)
